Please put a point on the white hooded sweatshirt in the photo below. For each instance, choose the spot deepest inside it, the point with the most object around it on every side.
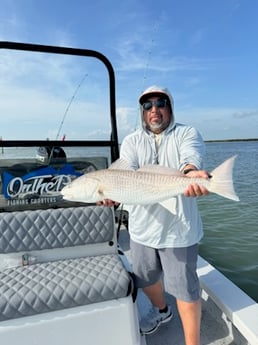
(177, 146)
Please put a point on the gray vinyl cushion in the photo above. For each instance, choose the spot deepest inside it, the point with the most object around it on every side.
(55, 228)
(62, 284)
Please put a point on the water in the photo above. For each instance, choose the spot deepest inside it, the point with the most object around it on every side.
(230, 240)
(30, 152)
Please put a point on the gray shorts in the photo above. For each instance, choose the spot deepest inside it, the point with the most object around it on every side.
(177, 264)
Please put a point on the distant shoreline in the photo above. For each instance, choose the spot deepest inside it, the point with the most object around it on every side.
(229, 140)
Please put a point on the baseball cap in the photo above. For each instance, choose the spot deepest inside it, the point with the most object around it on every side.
(156, 91)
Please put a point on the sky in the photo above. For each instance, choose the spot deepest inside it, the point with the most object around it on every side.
(204, 51)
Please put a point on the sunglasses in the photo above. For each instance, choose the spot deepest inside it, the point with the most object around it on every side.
(160, 103)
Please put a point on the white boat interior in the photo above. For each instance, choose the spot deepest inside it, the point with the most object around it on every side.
(64, 280)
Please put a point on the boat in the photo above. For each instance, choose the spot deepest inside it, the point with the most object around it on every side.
(65, 273)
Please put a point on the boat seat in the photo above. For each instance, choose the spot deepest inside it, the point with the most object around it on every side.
(62, 280)
(55, 259)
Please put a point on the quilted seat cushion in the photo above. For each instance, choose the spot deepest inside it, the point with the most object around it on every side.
(55, 228)
(62, 284)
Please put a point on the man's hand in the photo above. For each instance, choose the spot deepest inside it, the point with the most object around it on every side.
(194, 190)
(108, 203)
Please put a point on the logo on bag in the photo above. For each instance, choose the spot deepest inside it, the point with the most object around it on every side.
(45, 182)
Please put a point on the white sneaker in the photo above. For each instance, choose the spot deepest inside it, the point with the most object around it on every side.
(151, 322)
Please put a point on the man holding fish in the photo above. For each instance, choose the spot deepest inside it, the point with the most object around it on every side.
(164, 241)
(158, 177)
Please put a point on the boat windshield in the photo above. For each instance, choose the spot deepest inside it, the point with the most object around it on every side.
(58, 121)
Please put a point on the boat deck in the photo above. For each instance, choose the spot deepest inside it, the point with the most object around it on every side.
(215, 329)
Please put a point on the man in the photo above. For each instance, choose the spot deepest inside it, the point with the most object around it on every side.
(166, 241)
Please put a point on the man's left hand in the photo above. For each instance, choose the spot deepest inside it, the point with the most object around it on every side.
(195, 190)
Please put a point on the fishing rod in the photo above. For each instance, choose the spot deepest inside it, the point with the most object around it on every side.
(69, 105)
(65, 114)
(146, 69)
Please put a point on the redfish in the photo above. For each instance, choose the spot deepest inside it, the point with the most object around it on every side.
(147, 185)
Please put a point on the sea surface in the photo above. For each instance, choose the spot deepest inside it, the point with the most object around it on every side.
(230, 241)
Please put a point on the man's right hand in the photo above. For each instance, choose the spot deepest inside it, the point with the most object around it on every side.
(108, 203)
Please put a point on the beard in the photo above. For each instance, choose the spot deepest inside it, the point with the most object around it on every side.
(157, 127)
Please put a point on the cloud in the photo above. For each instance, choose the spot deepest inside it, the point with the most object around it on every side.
(12, 27)
(197, 37)
(36, 89)
(126, 121)
(135, 53)
(235, 5)
(217, 123)
(245, 114)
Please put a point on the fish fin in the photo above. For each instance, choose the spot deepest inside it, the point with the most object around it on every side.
(170, 205)
(221, 181)
(120, 164)
(159, 169)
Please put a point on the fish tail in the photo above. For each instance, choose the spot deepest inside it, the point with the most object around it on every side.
(221, 181)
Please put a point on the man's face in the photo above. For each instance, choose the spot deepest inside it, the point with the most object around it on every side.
(156, 114)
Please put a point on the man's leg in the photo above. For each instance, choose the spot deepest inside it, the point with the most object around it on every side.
(155, 293)
(190, 313)
(179, 265)
(147, 270)
(160, 312)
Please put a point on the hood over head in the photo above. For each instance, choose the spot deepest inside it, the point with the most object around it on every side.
(157, 91)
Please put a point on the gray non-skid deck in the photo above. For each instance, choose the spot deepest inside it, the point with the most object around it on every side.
(214, 330)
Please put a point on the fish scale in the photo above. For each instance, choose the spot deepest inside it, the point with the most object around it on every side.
(144, 188)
